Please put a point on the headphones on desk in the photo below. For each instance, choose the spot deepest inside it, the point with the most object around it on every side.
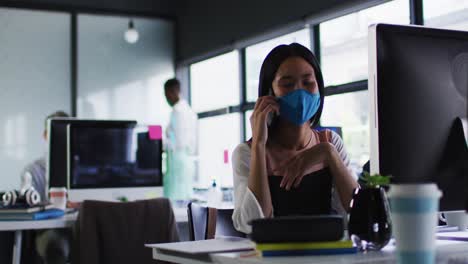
(27, 196)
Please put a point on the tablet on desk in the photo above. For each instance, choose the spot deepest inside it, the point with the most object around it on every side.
(298, 229)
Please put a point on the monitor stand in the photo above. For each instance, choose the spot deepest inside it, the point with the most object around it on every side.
(457, 221)
(456, 229)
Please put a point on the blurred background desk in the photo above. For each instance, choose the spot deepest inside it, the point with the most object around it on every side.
(65, 221)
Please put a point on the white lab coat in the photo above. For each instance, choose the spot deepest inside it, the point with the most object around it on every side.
(182, 149)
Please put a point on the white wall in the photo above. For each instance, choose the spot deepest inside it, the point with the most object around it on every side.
(118, 80)
(34, 81)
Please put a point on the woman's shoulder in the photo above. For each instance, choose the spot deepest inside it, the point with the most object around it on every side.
(242, 149)
(335, 138)
(328, 135)
(241, 157)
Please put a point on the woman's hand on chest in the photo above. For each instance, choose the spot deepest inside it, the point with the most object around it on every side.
(303, 163)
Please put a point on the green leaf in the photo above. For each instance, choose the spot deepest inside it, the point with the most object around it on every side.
(375, 180)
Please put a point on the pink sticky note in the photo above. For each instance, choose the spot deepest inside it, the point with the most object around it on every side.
(155, 132)
(226, 156)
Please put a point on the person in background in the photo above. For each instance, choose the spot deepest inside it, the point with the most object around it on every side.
(288, 167)
(34, 174)
(181, 145)
(52, 245)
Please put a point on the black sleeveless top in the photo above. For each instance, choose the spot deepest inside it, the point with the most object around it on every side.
(311, 197)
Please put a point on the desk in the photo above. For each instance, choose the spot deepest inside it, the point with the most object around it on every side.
(446, 250)
(65, 221)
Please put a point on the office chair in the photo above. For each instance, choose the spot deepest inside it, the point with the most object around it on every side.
(198, 218)
(208, 222)
(115, 232)
(6, 244)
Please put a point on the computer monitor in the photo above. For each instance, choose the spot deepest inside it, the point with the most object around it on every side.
(113, 161)
(56, 169)
(418, 84)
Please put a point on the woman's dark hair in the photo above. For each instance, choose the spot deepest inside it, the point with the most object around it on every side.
(273, 61)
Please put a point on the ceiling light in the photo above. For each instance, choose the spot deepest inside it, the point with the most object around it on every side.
(131, 34)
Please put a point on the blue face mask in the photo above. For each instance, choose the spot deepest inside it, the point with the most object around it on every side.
(299, 106)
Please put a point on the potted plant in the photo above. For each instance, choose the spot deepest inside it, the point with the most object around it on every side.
(370, 225)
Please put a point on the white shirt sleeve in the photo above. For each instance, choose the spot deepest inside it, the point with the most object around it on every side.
(340, 147)
(246, 206)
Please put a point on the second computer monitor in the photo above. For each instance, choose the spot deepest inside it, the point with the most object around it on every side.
(114, 161)
(418, 84)
(57, 147)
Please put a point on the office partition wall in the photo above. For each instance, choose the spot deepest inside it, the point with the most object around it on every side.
(34, 81)
(79, 64)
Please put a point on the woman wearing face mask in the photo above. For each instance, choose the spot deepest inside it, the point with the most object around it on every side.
(287, 167)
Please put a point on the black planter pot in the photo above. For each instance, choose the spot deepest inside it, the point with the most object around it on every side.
(370, 226)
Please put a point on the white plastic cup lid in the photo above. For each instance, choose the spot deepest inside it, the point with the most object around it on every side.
(413, 190)
(57, 189)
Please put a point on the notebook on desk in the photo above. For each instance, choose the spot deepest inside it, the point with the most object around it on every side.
(218, 245)
(307, 248)
(14, 209)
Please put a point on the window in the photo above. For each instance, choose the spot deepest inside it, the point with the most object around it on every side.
(256, 54)
(451, 14)
(218, 78)
(215, 151)
(350, 111)
(343, 46)
(214, 85)
(343, 41)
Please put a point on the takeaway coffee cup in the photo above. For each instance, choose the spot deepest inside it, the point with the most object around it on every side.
(58, 197)
(414, 211)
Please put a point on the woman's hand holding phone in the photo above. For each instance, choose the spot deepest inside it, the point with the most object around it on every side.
(258, 121)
